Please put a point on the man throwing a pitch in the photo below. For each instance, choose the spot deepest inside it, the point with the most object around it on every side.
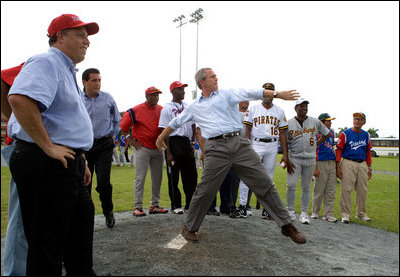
(216, 113)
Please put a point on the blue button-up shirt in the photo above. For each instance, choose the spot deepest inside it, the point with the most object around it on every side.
(49, 78)
(104, 114)
(217, 114)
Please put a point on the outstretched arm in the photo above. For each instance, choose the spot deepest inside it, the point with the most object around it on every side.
(285, 95)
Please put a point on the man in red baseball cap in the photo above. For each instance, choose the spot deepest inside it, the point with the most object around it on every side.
(180, 153)
(52, 130)
(68, 21)
(144, 121)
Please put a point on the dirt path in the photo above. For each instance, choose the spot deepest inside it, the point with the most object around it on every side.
(152, 245)
(252, 246)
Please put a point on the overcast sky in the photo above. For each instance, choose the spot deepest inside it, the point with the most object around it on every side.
(342, 56)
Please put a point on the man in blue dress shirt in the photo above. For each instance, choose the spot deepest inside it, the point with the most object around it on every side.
(216, 113)
(52, 130)
(105, 120)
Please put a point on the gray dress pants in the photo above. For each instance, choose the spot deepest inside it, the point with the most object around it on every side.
(236, 153)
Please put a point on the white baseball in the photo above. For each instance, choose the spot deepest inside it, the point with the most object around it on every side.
(282, 164)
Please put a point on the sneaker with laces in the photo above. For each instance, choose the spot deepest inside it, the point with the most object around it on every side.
(304, 218)
(329, 218)
(240, 212)
(177, 211)
(290, 231)
(157, 210)
(249, 211)
(363, 217)
(314, 215)
(345, 220)
(265, 215)
(292, 215)
(138, 212)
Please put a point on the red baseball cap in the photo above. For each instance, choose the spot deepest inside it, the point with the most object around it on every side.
(176, 84)
(66, 21)
(8, 75)
(152, 90)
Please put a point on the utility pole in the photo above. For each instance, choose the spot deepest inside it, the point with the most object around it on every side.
(181, 23)
(196, 17)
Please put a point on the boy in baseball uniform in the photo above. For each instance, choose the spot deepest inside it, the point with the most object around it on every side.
(302, 144)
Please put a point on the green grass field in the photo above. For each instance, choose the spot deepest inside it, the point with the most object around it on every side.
(382, 201)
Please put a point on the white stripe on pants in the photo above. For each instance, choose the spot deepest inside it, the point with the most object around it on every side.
(143, 158)
(305, 169)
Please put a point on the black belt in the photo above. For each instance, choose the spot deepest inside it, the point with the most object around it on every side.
(227, 135)
(265, 139)
(101, 139)
(358, 161)
(77, 151)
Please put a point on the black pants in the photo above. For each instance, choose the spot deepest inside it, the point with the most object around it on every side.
(185, 163)
(99, 159)
(228, 193)
(57, 211)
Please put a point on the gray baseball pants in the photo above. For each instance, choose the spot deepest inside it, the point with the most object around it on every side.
(305, 169)
(235, 153)
(145, 157)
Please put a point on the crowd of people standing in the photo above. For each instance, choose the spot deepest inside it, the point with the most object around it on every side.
(59, 136)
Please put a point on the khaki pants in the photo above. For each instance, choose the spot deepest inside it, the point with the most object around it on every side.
(325, 187)
(354, 176)
(235, 153)
(143, 158)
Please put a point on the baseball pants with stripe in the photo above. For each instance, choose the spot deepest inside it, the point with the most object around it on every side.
(305, 169)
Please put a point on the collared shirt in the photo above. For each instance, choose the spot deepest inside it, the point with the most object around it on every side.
(217, 114)
(104, 114)
(49, 78)
(169, 112)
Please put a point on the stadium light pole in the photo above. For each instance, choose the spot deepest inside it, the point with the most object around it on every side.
(181, 23)
(196, 17)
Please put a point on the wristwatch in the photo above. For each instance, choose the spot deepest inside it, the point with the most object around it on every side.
(275, 94)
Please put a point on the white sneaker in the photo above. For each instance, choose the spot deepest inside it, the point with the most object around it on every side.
(345, 220)
(178, 211)
(314, 215)
(363, 217)
(304, 218)
(329, 218)
(292, 215)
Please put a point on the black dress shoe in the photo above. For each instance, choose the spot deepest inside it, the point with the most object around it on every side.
(110, 220)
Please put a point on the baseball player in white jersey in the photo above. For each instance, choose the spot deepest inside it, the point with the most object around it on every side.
(180, 153)
(302, 131)
(265, 125)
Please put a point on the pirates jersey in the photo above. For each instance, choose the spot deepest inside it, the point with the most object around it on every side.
(266, 123)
